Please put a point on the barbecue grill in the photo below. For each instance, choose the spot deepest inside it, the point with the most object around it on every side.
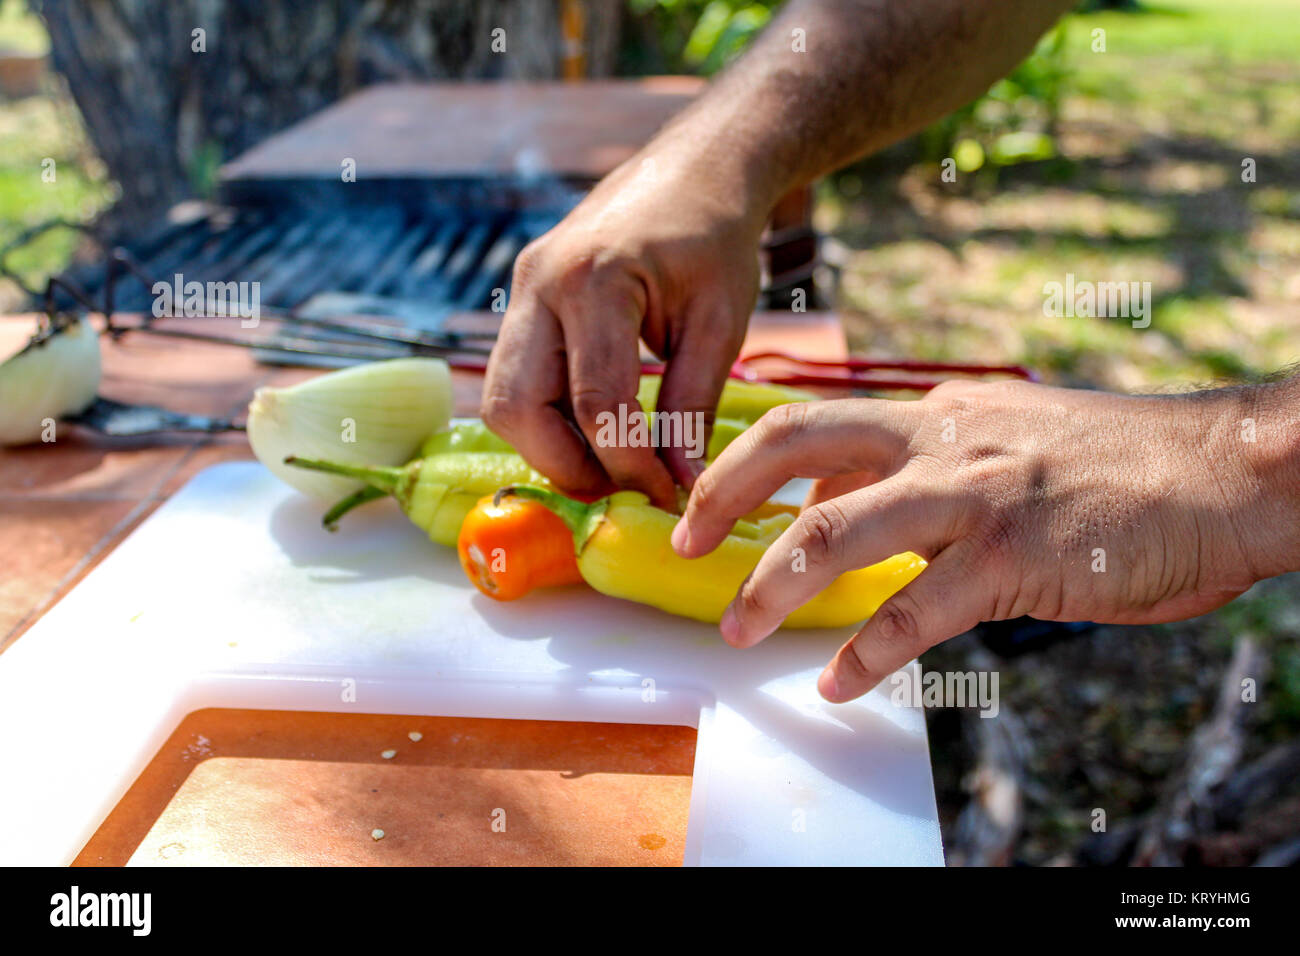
(430, 223)
(426, 257)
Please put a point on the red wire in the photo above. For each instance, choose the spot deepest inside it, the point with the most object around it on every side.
(742, 370)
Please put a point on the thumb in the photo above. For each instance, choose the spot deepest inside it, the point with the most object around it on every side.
(945, 600)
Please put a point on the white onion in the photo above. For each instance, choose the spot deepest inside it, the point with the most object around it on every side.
(386, 408)
(48, 379)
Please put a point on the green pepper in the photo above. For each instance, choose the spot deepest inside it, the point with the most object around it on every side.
(725, 431)
(468, 436)
(436, 492)
(476, 437)
(467, 460)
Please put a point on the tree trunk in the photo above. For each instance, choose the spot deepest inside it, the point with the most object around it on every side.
(164, 104)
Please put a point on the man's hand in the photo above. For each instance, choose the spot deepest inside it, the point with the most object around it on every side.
(656, 252)
(1062, 505)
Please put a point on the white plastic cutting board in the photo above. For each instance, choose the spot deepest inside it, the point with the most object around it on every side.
(232, 595)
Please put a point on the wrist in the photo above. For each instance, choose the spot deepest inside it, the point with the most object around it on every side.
(721, 167)
(1270, 438)
(1254, 444)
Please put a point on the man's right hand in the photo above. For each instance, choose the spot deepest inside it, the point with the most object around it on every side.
(657, 252)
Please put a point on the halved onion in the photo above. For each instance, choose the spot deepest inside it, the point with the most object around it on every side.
(52, 376)
(372, 414)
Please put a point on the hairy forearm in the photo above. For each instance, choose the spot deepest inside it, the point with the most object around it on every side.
(869, 73)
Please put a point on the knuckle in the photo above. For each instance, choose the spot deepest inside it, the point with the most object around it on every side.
(783, 422)
(589, 403)
(951, 388)
(958, 407)
(501, 411)
(822, 531)
(753, 599)
(855, 663)
(704, 493)
(574, 276)
(592, 266)
(529, 262)
(896, 624)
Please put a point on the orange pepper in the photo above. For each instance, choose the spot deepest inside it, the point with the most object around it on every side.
(510, 546)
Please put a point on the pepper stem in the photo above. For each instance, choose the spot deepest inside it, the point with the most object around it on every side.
(360, 497)
(392, 481)
(581, 519)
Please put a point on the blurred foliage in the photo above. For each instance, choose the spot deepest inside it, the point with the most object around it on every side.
(1014, 122)
(203, 167)
(692, 36)
(34, 130)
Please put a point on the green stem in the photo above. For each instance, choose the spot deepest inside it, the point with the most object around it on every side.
(580, 518)
(388, 480)
(368, 493)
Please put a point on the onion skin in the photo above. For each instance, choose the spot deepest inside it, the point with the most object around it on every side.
(48, 380)
(392, 407)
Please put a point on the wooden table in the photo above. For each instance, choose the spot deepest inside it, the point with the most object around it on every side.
(65, 505)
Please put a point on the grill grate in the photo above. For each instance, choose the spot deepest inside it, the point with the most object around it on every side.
(434, 257)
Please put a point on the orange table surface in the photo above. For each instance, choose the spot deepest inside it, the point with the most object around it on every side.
(284, 788)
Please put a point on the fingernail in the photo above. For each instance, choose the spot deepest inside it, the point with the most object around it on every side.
(694, 468)
(729, 625)
(681, 537)
(827, 685)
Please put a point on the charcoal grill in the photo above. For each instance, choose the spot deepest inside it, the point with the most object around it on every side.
(452, 180)
(425, 258)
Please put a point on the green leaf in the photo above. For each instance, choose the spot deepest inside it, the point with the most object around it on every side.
(1021, 147)
(968, 155)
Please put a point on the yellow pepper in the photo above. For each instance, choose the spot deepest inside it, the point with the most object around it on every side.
(622, 547)
(741, 401)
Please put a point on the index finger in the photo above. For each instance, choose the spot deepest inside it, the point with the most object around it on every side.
(526, 379)
(693, 380)
(601, 329)
(906, 512)
(801, 440)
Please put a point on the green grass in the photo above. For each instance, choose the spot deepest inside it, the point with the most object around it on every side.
(31, 131)
(1248, 31)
